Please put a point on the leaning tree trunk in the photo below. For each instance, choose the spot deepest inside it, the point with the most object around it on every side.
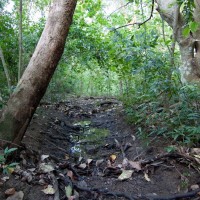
(189, 45)
(33, 84)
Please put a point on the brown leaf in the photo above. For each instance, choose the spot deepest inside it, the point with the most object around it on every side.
(10, 191)
(70, 174)
(136, 165)
(17, 196)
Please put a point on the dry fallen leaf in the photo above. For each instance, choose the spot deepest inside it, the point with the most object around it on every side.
(98, 162)
(147, 177)
(126, 174)
(10, 191)
(49, 190)
(133, 137)
(70, 174)
(197, 158)
(194, 187)
(5, 178)
(17, 196)
(82, 166)
(89, 161)
(113, 158)
(46, 168)
(67, 157)
(32, 169)
(43, 157)
(195, 150)
(135, 165)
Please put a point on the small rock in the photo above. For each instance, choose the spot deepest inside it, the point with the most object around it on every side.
(82, 184)
(10, 191)
(17, 196)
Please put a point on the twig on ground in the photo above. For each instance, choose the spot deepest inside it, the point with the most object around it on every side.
(172, 155)
(104, 192)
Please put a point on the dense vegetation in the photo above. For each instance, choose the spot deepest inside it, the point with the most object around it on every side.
(133, 63)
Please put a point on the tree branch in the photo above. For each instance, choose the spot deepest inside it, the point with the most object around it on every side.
(140, 23)
(119, 9)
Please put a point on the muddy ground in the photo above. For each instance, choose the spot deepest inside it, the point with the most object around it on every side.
(80, 148)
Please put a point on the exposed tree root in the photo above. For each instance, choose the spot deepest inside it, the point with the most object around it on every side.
(177, 196)
(186, 157)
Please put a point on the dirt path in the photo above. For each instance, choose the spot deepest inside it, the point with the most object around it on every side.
(83, 145)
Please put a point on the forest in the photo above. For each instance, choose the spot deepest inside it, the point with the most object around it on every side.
(99, 99)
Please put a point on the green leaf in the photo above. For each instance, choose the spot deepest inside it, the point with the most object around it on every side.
(13, 164)
(2, 159)
(193, 26)
(186, 31)
(8, 151)
(68, 191)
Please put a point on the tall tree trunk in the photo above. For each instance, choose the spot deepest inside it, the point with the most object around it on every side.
(190, 45)
(20, 41)
(33, 84)
(5, 70)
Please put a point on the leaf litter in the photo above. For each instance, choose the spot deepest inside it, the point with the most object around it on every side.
(110, 166)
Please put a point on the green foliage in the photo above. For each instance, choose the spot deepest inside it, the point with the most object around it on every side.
(187, 7)
(6, 167)
(175, 116)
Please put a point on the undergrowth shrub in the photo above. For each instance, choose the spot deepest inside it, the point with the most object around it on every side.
(175, 116)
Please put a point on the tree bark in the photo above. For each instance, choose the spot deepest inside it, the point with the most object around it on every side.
(33, 84)
(189, 46)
